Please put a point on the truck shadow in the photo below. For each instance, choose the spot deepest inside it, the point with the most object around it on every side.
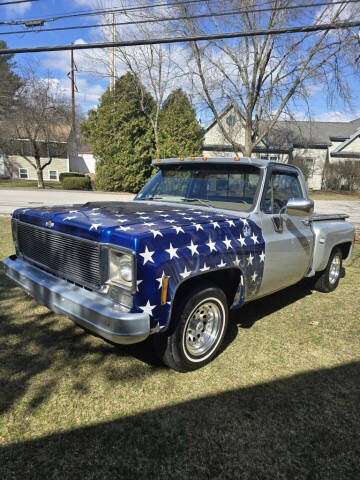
(304, 427)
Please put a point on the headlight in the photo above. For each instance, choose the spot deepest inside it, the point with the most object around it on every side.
(121, 268)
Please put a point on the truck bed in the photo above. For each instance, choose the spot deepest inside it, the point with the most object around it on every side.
(320, 217)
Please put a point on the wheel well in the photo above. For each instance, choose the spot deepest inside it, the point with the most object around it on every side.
(345, 249)
(228, 280)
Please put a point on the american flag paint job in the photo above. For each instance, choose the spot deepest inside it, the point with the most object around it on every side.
(174, 241)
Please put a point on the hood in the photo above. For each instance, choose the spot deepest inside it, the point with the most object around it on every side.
(121, 223)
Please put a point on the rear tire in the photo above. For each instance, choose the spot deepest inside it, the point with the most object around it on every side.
(328, 280)
(195, 338)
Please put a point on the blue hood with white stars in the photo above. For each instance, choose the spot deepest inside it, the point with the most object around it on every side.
(173, 241)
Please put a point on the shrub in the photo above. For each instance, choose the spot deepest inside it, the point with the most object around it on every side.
(342, 175)
(69, 174)
(304, 164)
(76, 183)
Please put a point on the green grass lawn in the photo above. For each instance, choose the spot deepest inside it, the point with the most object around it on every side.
(282, 400)
(27, 184)
(334, 195)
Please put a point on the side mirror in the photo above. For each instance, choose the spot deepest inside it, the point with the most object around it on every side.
(300, 207)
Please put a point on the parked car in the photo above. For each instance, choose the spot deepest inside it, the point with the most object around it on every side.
(204, 236)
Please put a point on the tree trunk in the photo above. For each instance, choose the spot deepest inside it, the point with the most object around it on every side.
(40, 179)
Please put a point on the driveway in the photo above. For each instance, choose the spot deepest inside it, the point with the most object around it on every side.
(10, 199)
(17, 198)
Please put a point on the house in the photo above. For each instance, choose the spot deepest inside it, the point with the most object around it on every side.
(18, 161)
(316, 143)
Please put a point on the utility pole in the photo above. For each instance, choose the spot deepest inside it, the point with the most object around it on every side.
(72, 78)
(112, 53)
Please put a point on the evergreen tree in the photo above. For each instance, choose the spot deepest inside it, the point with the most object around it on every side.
(121, 138)
(9, 81)
(179, 132)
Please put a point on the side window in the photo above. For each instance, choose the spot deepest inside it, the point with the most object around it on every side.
(281, 187)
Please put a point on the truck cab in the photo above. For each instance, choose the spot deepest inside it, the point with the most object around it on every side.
(204, 236)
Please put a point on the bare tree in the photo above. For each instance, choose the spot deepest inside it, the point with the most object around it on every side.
(264, 78)
(40, 120)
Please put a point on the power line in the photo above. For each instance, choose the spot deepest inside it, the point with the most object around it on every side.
(104, 11)
(182, 17)
(167, 19)
(17, 1)
(190, 38)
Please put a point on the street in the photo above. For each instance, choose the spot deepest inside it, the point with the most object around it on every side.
(17, 198)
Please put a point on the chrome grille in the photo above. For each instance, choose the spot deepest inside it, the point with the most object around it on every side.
(66, 256)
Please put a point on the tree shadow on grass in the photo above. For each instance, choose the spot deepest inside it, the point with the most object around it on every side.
(41, 341)
(302, 427)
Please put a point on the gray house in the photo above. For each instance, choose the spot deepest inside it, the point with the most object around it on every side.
(317, 143)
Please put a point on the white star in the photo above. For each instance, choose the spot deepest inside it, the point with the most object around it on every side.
(144, 217)
(237, 261)
(169, 221)
(211, 245)
(98, 208)
(253, 276)
(216, 225)
(227, 242)
(245, 222)
(185, 273)
(95, 226)
(172, 251)
(122, 220)
(69, 218)
(178, 229)
(250, 259)
(262, 257)
(137, 284)
(148, 308)
(96, 214)
(73, 211)
(161, 279)
(207, 216)
(242, 241)
(164, 215)
(149, 224)
(188, 218)
(193, 248)
(205, 268)
(230, 222)
(156, 233)
(147, 256)
(197, 226)
(140, 213)
(221, 264)
(124, 229)
(254, 239)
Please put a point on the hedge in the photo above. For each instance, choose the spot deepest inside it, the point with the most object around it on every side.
(76, 183)
(70, 174)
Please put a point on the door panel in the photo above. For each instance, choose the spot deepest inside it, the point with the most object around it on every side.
(288, 253)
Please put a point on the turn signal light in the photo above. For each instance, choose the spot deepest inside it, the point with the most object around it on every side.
(158, 160)
(236, 159)
(164, 290)
(204, 158)
(192, 158)
(181, 159)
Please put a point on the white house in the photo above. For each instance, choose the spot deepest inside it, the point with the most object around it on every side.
(315, 142)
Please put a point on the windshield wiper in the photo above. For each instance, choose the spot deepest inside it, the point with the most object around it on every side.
(200, 200)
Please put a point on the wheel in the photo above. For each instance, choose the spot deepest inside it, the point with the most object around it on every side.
(327, 280)
(202, 320)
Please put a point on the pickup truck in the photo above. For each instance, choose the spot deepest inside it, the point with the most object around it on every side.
(204, 236)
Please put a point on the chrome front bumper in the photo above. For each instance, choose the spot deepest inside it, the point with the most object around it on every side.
(90, 310)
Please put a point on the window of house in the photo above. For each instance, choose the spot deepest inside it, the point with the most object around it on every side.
(230, 120)
(53, 174)
(23, 173)
(272, 157)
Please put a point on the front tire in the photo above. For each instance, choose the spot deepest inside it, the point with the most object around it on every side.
(201, 323)
(328, 280)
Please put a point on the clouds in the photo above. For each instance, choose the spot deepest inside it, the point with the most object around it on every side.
(17, 9)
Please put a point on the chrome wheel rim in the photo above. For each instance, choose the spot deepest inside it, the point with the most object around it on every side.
(334, 270)
(203, 328)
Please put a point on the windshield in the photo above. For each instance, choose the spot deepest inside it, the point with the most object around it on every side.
(230, 187)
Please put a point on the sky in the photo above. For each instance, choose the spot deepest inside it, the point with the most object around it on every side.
(91, 85)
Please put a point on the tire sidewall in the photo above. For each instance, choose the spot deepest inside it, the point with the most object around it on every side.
(180, 353)
(332, 286)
